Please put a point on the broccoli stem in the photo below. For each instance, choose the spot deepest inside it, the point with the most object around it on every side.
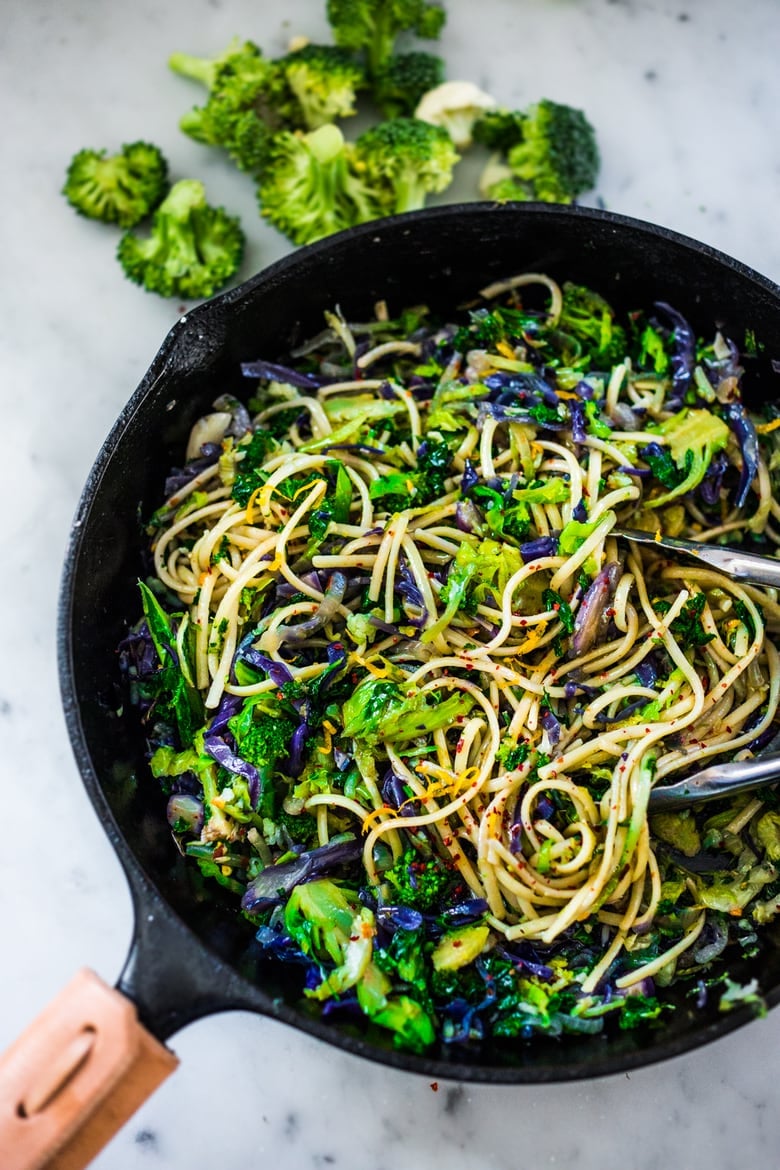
(202, 69)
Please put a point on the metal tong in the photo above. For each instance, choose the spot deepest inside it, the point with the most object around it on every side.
(718, 780)
(742, 566)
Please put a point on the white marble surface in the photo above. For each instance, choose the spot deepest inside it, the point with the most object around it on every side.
(684, 94)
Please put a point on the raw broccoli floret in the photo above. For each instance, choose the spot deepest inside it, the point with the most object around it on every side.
(241, 61)
(403, 80)
(325, 80)
(192, 250)
(557, 156)
(499, 129)
(456, 106)
(418, 882)
(119, 188)
(372, 26)
(404, 159)
(249, 100)
(309, 189)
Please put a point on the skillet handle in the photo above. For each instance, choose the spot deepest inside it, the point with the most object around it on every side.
(75, 1076)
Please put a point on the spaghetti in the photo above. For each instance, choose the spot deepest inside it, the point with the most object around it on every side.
(410, 693)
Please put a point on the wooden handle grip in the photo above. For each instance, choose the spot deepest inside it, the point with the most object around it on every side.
(75, 1076)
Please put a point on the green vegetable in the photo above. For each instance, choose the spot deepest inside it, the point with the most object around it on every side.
(415, 488)
(574, 534)
(500, 129)
(372, 27)
(419, 882)
(403, 160)
(263, 738)
(558, 156)
(378, 712)
(767, 832)
(175, 698)
(459, 947)
(694, 437)
(192, 250)
(400, 1014)
(550, 150)
(325, 80)
(310, 188)
(328, 922)
(679, 830)
(120, 188)
(240, 114)
(402, 81)
(553, 600)
(687, 627)
(249, 475)
(588, 318)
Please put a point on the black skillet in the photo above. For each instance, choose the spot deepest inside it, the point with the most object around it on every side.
(191, 954)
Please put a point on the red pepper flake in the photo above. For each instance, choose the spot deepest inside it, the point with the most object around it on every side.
(457, 942)
(435, 1086)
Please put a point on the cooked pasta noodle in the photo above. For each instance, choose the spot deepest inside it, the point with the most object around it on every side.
(417, 576)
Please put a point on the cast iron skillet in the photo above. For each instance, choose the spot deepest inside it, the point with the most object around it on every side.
(191, 953)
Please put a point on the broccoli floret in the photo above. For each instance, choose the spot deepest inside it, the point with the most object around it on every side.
(192, 250)
(506, 190)
(419, 882)
(249, 100)
(499, 129)
(372, 26)
(404, 160)
(119, 188)
(267, 740)
(456, 106)
(403, 80)
(241, 59)
(590, 319)
(325, 80)
(558, 155)
(310, 190)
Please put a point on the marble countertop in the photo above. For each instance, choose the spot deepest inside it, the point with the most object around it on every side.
(684, 95)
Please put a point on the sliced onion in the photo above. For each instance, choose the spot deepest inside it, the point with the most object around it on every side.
(589, 621)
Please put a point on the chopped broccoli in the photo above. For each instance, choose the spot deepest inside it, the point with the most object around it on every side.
(325, 80)
(456, 106)
(239, 59)
(119, 188)
(413, 489)
(404, 160)
(588, 318)
(192, 250)
(266, 740)
(372, 26)
(499, 129)
(249, 101)
(310, 189)
(403, 80)
(263, 740)
(421, 883)
(557, 156)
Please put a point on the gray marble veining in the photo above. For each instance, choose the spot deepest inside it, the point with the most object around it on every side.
(684, 94)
